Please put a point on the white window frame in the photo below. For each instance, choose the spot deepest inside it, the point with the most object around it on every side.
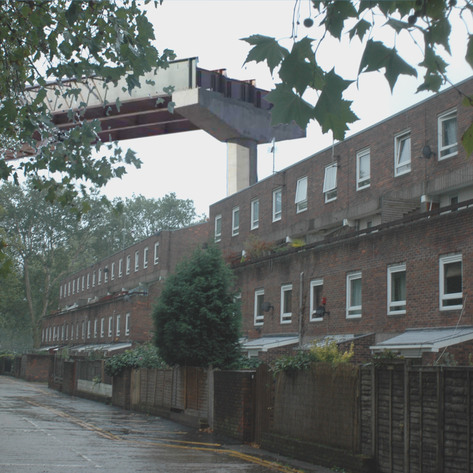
(72, 331)
(117, 331)
(95, 328)
(88, 329)
(402, 142)
(99, 277)
(93, 279)
(137, 261)
(83, 282)
(102, 327)
(444, 297)
(88, 280)
(254, 214)
(277, 212)
(128, 264)
(258, 318)
(363, 182)
(112, 276)
(73, 286)
(399, 306)
(105, 274)
(145, 257)
(451, 149)
(286, 317)
(301, 195)
(120, 267)
(313, 302)
(235, 221)
(127, 324)
(156, 253)
(353, 311)
(110, 326)
(330, 182)
(218, 228)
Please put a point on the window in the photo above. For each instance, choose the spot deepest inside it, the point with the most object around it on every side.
(259, 300)
(301, 195)
(277, 204)
(102, 327)
(105, 274)
(88, 329)
(330, 182)
(120, 267)
(117, 331)
(137, 261)
(363, 169)
(93, 279)
(402, 153)
(95, 328)
(354, 295)
(218, 228)
(145, 257)
(156, 252)
(69, 288)
(397, 289)
(72, 331)
(128, 264)
(286, 303)
(83, 330)
(235, 221)
(77, 331)
(83, 283)
(88, 280)
(113, 272)
(447, 134)
(100, 276)
(127, 324)
(74, 286)
(110, 326)
(316, 289)
(254, 214)
(451, 284)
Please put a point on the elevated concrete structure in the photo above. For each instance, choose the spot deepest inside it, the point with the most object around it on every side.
(180, 98)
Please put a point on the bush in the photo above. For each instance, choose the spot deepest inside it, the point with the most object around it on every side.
(143, 356)
(329, 352)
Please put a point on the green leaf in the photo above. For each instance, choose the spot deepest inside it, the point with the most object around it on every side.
(332, 111)
(265, 49)
(469, 51)
(289, 107)
(336, 14)
(377, 56)
(467, 140)
(298, 69)
(360, 29)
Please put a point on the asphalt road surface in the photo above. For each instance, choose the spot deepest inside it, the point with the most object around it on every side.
(43, 431)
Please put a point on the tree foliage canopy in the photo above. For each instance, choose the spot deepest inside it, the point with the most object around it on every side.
(427, 23)
(196, 317)
(44, 41)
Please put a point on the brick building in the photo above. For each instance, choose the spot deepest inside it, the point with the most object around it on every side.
(367, 242)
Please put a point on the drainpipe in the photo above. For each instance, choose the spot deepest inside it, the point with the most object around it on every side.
(301, 280)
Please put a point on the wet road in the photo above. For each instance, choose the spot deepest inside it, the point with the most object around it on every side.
(43, 431)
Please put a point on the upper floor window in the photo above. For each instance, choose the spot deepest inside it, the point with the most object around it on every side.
(93, 279)
(105, 274)
(127, 324)
(330, 182)
(117, 330)
(301, 194)
(402, 153)
(110, 326)
(254, 214)
(447, 134)
(100, 276)
(259, 301)
(363, 169)
(218, 228)
(235, 221)
(83, 283)
(88, 280)
(128, 264)
(145, 258)
(137, 260)
(286, 303)
(112, 276)
(354, 295)
(397, 289)
(156, 252)
(316, 289)
(120, 267)
(451, 282)
(73, 286)
(102, 329)
(277, 204)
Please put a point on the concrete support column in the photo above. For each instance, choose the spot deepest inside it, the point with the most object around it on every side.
(241, 164)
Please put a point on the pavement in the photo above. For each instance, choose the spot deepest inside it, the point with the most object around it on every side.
(44, 431)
